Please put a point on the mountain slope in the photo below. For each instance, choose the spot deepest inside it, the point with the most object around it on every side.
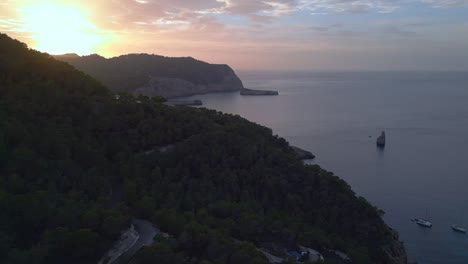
(151, 75)
(223, 188)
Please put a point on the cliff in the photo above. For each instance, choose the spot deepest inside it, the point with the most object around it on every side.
(395, 251)
(151, 75)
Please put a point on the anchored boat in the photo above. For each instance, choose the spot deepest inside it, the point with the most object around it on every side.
(458, 229)
(423, 222)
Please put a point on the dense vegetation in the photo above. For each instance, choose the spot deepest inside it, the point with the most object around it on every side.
(128, 72)
(68, 149)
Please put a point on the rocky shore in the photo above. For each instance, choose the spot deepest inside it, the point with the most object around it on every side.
(396, 250)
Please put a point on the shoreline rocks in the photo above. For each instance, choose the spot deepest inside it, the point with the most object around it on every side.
(396, 251)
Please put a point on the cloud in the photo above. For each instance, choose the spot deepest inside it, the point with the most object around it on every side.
(248, 32)
(446, 3)
(251, 8)
(365, 6)
(125, 15)
(258, 11)
(351, 6)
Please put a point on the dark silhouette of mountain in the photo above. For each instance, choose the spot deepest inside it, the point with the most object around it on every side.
(67, 56)
(151, 75)
(76, 164)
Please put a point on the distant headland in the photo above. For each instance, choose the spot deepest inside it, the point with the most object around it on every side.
(154, 75)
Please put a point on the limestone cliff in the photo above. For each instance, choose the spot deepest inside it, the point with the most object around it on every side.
(157, 75)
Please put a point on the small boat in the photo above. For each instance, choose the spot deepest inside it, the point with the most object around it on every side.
(458, 229)
(422, 222)
(381, 140)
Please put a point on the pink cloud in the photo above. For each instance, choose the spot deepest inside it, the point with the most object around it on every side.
(244, 33)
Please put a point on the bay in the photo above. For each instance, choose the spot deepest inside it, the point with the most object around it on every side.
(338, 115)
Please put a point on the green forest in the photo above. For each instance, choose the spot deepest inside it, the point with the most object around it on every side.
(76, 165)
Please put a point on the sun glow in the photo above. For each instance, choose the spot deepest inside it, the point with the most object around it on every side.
(61, 29)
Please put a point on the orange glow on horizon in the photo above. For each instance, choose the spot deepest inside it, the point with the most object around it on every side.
(60, 29)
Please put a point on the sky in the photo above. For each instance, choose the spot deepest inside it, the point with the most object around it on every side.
(406, 35)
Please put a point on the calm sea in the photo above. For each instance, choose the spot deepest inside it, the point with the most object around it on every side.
(422, 171)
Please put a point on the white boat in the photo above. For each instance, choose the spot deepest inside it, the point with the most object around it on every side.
(423, 222)
(459, 229)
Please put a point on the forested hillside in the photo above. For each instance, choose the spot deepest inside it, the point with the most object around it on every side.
(151, 75)
(225, 186)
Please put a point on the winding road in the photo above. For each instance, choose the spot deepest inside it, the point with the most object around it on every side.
(140, 235)
(147, 233)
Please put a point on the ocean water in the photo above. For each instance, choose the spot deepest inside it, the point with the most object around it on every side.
(422, 171)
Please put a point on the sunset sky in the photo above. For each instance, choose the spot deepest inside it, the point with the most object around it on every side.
(253, 34)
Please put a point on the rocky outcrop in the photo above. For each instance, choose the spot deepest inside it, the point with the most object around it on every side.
(381, 140)
(171, 87)
(153, 75)
(246, 91)
(395, 251)
(303, 154)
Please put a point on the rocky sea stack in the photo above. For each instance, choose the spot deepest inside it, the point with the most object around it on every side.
(381, 140)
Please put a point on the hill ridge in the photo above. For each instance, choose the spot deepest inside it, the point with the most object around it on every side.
(151, 75)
